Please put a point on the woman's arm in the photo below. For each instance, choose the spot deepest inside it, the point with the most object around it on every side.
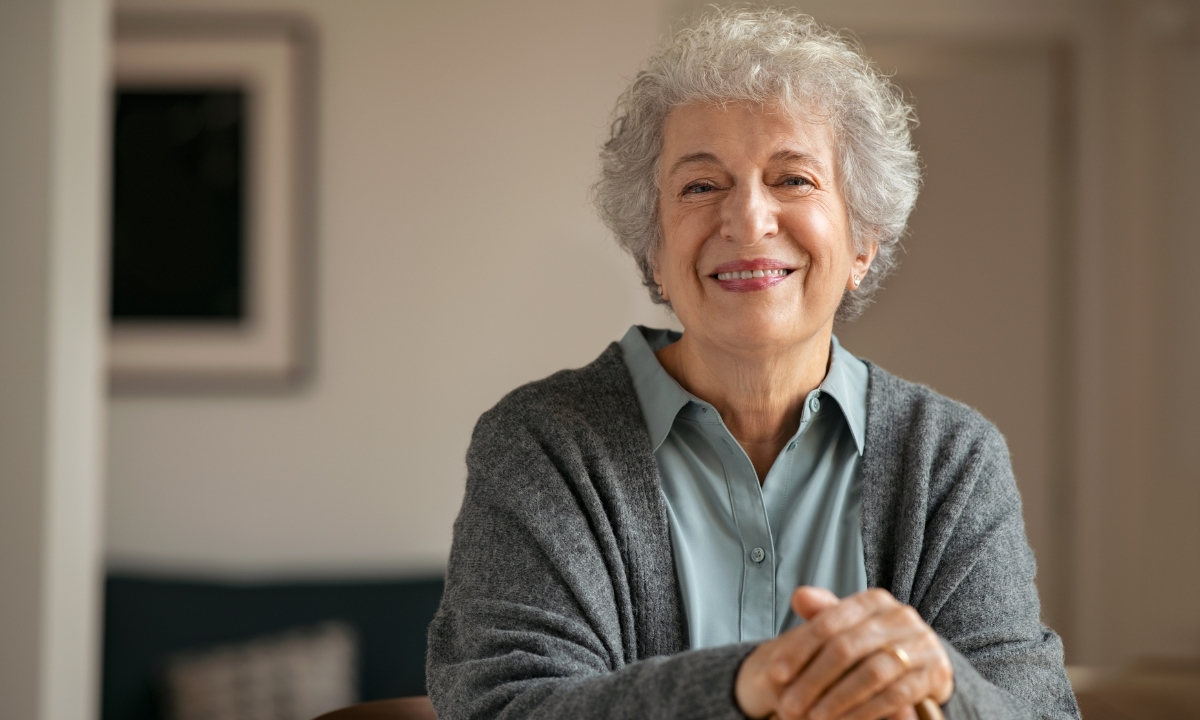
(531, 668)
(982, 599)
(537, 619)
(976, 644)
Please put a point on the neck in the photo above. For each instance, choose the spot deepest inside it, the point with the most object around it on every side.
(759, 392)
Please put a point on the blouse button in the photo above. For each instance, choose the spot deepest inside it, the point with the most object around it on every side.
(814, 403)
(758, 555)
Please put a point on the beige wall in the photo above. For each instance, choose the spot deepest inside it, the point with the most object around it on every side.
(1176, 531)
(53, 59)
(457, 257)
(24, 143)
(1137, 485)
(970, 312)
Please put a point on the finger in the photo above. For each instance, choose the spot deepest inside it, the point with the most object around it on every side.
(866, 680)
(905, 714)
(757, 695)
(807, 601)
(898, 697)
(840, 654)
(800, 644)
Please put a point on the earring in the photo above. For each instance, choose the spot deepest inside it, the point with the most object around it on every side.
(660, 291)
(856, 281)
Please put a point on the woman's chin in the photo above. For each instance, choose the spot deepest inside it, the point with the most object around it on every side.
(760, 336)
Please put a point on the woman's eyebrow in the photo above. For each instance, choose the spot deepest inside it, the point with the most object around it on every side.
(800, 157)
(693, 159)
(702, 158)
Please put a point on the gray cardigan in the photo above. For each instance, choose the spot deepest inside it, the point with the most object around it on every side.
(561, 599)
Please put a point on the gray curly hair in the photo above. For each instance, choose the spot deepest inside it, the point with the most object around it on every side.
(766, 56)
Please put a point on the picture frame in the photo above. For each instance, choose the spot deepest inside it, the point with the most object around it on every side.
(269, 61)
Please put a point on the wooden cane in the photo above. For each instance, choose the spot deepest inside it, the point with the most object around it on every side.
(927, 709)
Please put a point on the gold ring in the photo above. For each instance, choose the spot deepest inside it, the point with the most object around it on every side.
(900, 655)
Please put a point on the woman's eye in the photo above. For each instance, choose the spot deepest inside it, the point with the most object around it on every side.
(796, 181)
(698, 188)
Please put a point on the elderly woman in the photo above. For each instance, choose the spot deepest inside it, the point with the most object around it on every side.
(745, 520)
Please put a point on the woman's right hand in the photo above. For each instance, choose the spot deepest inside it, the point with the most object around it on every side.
(862, 658)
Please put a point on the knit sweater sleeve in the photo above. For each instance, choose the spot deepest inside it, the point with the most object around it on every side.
(942, 530)
(975, 587)
(539, 617)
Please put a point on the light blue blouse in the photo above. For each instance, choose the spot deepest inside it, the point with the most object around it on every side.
(741, 548)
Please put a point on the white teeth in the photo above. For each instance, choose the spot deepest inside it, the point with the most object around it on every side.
(749, 274)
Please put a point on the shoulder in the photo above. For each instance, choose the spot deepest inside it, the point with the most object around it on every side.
(596, 402)
(583, 394)
(936, 481)
(908, 413)
(921, 444)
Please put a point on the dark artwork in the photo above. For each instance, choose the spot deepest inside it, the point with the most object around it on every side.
(178, 215)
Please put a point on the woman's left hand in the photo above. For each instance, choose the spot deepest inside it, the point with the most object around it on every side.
(862, 658)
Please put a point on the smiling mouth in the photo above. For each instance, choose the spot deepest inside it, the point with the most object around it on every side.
(751, 274)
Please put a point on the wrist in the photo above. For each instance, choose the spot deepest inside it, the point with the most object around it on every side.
(748, 695)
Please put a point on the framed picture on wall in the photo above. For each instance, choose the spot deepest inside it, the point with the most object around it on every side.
(211, 202)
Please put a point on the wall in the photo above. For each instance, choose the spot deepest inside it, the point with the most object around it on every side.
(1137, 484)
(970, 310)
(24, 213)
(1176, 532)
(52, 88)
(457, 258)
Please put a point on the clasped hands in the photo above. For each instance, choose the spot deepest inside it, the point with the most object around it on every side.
(862, 658)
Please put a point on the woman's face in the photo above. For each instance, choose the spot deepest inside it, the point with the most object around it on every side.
(750, 190)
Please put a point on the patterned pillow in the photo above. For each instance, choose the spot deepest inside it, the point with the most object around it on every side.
(295, 675)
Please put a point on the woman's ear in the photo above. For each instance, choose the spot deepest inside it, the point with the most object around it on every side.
(861, 266)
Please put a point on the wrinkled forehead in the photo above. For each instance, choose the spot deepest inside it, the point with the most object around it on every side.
(738, 128)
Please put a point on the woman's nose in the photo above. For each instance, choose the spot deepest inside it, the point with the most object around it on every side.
(750, 214)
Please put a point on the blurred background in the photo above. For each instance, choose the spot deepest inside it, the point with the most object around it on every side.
(271, 483)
